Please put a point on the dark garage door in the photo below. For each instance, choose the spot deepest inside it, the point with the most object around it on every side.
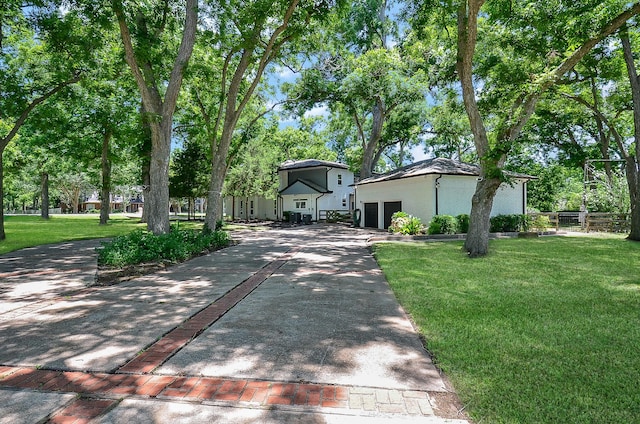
(389, 209)
(371, 215)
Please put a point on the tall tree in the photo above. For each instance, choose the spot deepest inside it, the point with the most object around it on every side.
(365, 74)
(632, 155)
(250, 36)
(190, 173)
(147, 37)
(519, 93)
(42, 51)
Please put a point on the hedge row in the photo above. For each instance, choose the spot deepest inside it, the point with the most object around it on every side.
(141, 246)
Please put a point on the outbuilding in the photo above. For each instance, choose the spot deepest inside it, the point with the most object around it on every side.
(313, 187)
(432, 187)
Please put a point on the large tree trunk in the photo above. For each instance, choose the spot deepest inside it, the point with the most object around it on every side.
(632, 162)
(477, 241)
(105, 190)
(2, 234)
(44, 190)
(369, 153)
(157, 203)
(633, 182)
(157, 200)
(218, 174)
(146, 163)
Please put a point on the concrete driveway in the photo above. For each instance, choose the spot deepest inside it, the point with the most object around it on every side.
(289, 325)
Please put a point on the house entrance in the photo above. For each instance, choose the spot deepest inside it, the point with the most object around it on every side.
(389, 209)
(371, 215)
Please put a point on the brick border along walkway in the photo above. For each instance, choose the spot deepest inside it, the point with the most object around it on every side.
(199, 389)
(101, 392)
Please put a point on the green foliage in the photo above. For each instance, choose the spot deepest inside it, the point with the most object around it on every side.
(190, 170)
(143, 246)
(403, 223)
(541, 223)
(443, 224)
(463, 223)
(510, 223)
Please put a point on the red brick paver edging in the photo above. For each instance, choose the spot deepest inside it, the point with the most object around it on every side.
(209, 389)
(102, 391)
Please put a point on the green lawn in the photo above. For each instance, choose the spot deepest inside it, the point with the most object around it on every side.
(541, 331)
(27, 231)
(30, 230)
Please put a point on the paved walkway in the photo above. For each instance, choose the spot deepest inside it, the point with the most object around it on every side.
(291, 325)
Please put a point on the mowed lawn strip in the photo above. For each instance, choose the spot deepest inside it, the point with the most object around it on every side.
(540, 331)
(28, 231)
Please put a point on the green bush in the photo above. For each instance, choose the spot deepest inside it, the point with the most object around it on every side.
(541, 223)
(443, 224)
(403, 223)
(141, 246)
(463, 223)
(510, 223)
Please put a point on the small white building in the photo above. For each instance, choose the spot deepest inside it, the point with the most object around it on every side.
(432, 187)
(249, 208)
(313, 187)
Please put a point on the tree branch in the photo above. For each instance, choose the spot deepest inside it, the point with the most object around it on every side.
(4, 141)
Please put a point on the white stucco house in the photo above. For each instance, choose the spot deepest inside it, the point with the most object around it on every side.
(312, 187)
(432, 187)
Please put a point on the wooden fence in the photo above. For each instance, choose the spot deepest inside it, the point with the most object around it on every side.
(609, 222)
(593, 221)
(334, 215)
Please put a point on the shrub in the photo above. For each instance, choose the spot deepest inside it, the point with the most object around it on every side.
(443, 224)
(403, 223)
(510, 223)
(463, 223)
(541, 223)
(141, 246)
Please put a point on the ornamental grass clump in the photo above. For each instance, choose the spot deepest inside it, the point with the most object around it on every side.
(141, 246)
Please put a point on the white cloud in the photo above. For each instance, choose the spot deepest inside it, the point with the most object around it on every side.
(317, 111)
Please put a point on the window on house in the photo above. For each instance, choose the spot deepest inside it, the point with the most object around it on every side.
(251, 208)
(300, 203)
(339, 179)
(344, 203)
(275, 207)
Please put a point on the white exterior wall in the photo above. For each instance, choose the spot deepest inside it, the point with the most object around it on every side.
(315, 202)
(240, 207)
(289, 203)
(510, 200)
(418, 196)
(334, 201)
(414, 193)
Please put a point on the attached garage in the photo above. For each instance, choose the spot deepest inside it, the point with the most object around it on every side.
(432, 187)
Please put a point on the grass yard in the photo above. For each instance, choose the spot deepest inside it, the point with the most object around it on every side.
(540, 331)
(26, 231)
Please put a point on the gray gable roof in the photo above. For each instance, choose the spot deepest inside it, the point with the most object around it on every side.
(302, 186)
(310, 163)
(442, 166)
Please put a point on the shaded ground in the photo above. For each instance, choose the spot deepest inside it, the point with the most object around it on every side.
(322, 316)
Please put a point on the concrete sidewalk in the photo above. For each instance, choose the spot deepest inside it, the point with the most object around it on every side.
(290, 325)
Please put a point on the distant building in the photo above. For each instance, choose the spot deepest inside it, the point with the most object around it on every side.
(313, 187)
